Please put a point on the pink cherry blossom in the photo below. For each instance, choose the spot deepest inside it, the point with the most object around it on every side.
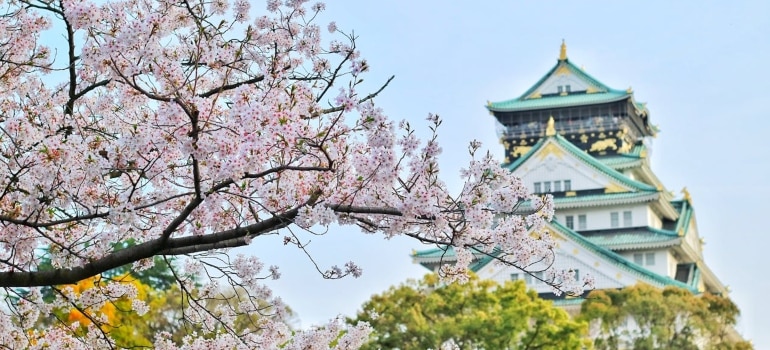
(170, 128)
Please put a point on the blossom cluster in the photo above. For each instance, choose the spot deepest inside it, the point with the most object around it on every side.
(188, 128)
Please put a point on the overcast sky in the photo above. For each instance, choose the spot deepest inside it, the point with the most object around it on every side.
(702, 67)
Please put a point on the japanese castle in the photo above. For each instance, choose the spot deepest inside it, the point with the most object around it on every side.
(588, 144)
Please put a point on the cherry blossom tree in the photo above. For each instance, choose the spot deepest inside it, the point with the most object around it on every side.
(162, 128)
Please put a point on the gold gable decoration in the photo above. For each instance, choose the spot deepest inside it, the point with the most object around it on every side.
(519, 151)
(549, 149)
(614, 188)
(550, 129)
(563, 51)
(603, 145)
(535, 94)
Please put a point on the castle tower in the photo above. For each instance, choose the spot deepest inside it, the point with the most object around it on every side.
(587, 144)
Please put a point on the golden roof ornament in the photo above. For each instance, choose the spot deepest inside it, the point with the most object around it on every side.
(550, 128)
(686, 195)
(563, 51)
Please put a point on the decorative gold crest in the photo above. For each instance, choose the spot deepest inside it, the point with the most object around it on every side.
(603, 145)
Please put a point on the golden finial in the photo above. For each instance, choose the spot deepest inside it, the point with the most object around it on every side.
(629, 90)
(563, 52)
(686, 195)
(550, 129)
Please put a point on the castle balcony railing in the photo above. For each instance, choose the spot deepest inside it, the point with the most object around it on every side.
(534, 128)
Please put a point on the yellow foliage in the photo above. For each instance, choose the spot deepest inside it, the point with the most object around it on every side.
(109, 310)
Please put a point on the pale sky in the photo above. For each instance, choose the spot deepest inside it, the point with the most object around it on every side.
(702, 67)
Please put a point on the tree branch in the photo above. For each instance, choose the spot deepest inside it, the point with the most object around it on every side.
(367, 98)
(172, 246)
(231, 86)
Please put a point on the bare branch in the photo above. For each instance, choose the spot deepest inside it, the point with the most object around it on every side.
(171, 246)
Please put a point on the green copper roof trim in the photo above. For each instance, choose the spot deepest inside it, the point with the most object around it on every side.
(685, 215)
(574, 99)
(574, 70)
(619, 260)
(619, 163)
(613, 257)
(595, 200)
(621, 197)
(622, 163)
(631, 242)
(656, 235)
(634, 239)
(585, 157)
(603, 93)
(480, 260)
(662, 231)
(433, 253)
(625, 160)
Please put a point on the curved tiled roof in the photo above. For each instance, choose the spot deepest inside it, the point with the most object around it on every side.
(436, 254)
(639, 239)
(685, 215)
(635, 157)
(600, 93)
(586, 158)
(579, 99)
(619, 260)
(447, 254)
(603, 199)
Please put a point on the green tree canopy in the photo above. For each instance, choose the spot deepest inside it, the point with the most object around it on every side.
(168, 307)
(643, 317)
(479, 314)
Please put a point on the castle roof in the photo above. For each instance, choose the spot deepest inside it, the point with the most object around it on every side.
(565, 85)
(544, 145)
(432, 257)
